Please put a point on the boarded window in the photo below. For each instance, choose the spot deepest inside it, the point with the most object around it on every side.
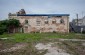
(26, 21)
(61, 21)
(26, 29)
(46, 22)
(53, 22)
(38, 23)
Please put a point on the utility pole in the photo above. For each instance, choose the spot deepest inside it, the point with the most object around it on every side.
(77, 19)
(82, 23)
(82, 18)
(82, 14)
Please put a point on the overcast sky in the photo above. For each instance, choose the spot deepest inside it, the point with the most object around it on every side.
(43, 7)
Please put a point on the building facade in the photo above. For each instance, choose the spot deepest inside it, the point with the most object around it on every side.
(41, 22)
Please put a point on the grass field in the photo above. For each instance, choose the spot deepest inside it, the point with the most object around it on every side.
(28, 37)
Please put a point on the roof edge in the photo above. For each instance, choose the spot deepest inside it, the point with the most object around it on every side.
(45, 15)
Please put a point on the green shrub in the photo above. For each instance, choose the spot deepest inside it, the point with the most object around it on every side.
(6, 25)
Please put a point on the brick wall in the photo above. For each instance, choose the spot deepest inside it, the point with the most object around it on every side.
(33, 26)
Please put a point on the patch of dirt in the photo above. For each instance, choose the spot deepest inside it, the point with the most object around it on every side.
(83, 44)
(44, 47)
(71, 40)
(75, 47)
(51, 50)
(15, 47)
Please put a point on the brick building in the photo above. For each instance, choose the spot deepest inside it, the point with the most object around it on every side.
(41, 22)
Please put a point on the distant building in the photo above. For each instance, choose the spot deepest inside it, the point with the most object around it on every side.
(41, 22)
(78, 24)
